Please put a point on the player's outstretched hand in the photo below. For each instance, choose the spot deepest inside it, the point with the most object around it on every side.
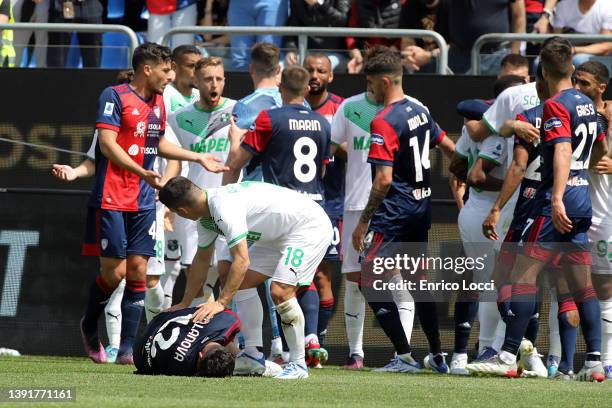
(604, 166)
(152, 178)
(560, 220)
(212, 163)
(235, 134)
(64, 172)
(206, 311)
(358, 235)
(178, 306)
(488, 226)
(526, 131)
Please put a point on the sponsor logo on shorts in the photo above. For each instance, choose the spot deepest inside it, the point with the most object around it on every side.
(108, 108)
(552, 123)
(133, 150)
(377, 139)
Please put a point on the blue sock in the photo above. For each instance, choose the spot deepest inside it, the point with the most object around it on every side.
(590, 314)
(568, 330)
(276, 332)
(504, 295)
(521, 309)
(533, 326)
(427, 312)
(388, 317)
(325, 312)
(99, 292)
(465, 313)
(308, 298)
(131, 310)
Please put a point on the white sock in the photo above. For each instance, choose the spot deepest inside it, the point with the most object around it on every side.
(173, 268)
(277, 346)
(154, 301)
(354, 316)
(507, 357)
(606, 331)
(405, 306)
(500, 334)
(112, 315)
(292, 322)
(209, 285)
(553, 326)
(250, 311)
(197, 301)
(489, 317)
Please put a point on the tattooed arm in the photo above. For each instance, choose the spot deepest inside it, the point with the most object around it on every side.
(380, 187)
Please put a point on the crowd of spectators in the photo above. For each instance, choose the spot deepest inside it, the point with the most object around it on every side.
(460, 22)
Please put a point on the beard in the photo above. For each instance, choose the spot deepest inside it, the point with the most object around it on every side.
(317, 90)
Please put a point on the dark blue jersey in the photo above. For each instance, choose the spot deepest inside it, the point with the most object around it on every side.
(172, 341)
(293, 144)
(568, 117)
(532, 177)
(402, 135)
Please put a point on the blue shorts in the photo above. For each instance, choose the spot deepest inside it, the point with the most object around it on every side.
(543, 242)
(117, 234)
(334, 251)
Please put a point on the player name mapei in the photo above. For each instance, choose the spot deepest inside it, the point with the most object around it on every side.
(434, 286)
(304, 124)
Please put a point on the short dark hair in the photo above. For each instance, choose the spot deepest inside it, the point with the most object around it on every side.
(294, 80)
(556, 57)
(151, 54)
(539, 74)
(185, 49)
(506, 82)
(125, 76)
(265, 58)
(514, 60)
(217, 363)
(384, 60)
(178, 191)
(597, 69)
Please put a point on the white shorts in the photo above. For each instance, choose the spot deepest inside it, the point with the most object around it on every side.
(187, 233)
(156, 265)
(601, 243)
(350, 257)
(296, 260)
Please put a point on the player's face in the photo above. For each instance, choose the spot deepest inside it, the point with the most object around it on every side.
(320, 72)
(210, 82)
(376, 87)
(523, 72)
(588, 85)
(185, 69)
(159, 76)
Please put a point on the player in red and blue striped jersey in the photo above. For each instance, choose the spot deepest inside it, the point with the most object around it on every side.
(399, 206)
(326, 103)
(121, 219)
(557, 226)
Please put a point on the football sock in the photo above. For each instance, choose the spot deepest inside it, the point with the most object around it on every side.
(427, 311)
(276, 332)
(154, 299)
(99, 292)
(250, 312)
(590, 318)
(308, 299)
(209, 285)
(173, 268)
(388, 317)
(292, 322)
(326, 307)
(488, 317)
(112, 314)
(568, 330)
(521, 309)
(533, 326)
(500, 333)
(354, 316)
(284, 345)
(131, 310)
(553, 326)
(504, 294)
(606, 331)
(405, 307)
(465, 313)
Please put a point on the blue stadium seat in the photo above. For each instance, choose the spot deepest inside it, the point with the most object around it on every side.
(115, 9)
(115, 50)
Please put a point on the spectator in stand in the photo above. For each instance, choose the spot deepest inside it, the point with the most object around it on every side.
(85, 11)
(319, 13)
(514, 64)
(372, 14)
(213, 13)
(424, 15)
(166, 14)
(539, 14)
(260, 13)
(468, 20)
(31, 11)
(7, 52)
(586, 17)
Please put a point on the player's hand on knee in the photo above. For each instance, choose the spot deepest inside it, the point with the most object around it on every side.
(212, 163)
(64, 172)
(488, 226)
(207, 311)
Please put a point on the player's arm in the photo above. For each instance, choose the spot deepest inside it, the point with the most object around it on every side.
(169, 150)
(198, 272)
(447, 146)
(64, 172)
(457, 188)
(561, 168)
(380, 187)
(491, 119)
(477, 130)
(513, 179)
(597, 48)
(518, 22)
(479, 177)
(235, 164)
(173, 169)
(520, 128)
(254, 143)
(339, 151)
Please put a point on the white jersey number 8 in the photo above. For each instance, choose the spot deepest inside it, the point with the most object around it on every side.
(305, 160)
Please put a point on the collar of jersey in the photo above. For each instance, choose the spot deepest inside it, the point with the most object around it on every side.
(195, 105)
(138, 95)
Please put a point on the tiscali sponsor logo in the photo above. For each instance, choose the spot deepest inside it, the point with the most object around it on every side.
(133, 150)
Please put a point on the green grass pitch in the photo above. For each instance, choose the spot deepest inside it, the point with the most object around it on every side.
(116, 386)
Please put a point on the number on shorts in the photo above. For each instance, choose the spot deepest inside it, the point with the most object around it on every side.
(307, 159)
(527, 225)
(153, 230)
(294, 257)
(336, 238)
(159, 249)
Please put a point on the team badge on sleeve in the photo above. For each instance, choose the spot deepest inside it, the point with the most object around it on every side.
(108, 108)
(552, 123)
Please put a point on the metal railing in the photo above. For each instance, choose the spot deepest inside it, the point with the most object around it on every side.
(302, 33)
(79, 28)
(497, 37)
